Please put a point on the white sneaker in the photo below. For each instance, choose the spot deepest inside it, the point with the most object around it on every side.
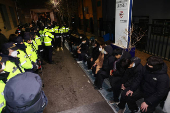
(79, 61)
(137, 111)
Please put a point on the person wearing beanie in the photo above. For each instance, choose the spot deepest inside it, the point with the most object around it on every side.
(152, 85)
(24, 94)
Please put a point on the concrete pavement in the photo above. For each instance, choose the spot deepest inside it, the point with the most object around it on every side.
(68, 88)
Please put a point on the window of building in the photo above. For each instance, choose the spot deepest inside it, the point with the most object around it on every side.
(13, 16)
(5, 17)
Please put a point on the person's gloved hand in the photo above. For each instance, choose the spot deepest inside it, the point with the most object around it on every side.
(35, 66)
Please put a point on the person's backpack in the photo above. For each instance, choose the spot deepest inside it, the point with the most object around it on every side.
(23, 94)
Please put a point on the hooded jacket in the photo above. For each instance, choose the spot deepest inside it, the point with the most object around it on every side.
(132, 73)
(154, 85)
(119, 69)
(84, 48)
(108, 59)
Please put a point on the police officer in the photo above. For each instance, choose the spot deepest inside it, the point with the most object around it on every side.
(57, 36)
(2, 84)
(30, 50)
(48, 37)
(12, 65)
(64, 36)
(25, 61)
(41, 34)
(39, 44)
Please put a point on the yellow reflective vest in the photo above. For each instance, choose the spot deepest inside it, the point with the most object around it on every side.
(2, 98)
(34, 45)
(30, 52)
(67, 29)
(12, 69)
(38, 40)
(41, 35)
(25, 62)
(51, 30)
(48, 38)
(57, 30)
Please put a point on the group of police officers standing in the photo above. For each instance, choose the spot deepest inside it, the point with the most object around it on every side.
(24, 57)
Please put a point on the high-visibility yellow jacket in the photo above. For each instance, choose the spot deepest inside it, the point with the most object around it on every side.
(48, 38)
(30, 52)
(51, 30)
(34, 45)
(38, 40)
(63, 29)
(2, 98)
(41, 35)
(57, 30)
(25, 62)
(12, 69)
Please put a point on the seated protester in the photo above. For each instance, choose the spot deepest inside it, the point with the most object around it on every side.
(116, 79)
(152, 85)
(82, 50)
(132, 72)
(12, 65)
(104, 71)
(99, 62)
(119, 54)
(93, 54)
(25, 61)
(24, 94)
(71, 42)
(29, 50)
(76, 43)
(89, 54)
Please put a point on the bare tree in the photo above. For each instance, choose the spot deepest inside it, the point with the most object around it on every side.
(135, 36)
(66, 8)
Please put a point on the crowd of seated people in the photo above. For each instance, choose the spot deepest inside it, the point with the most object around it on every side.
(129, 79)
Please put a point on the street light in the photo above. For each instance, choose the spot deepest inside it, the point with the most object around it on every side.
(54, 2)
